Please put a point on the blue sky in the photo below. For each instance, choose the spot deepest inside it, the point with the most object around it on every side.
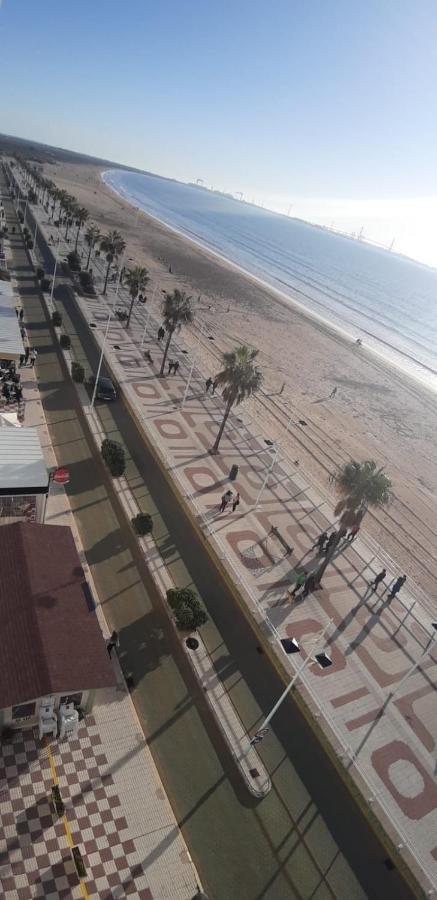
(319, 103)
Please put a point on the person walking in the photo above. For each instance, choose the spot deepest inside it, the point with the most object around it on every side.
(330, 542)
(299, 583)
(161, 333)
(321, 541)
(148, 356)
(377, 580)
(23, 332)
(18, 393)
(26, 355)
(353, 533)
(170, 367)
(33, 356)
(175, 367)
(235, 501)
(21, 315)
(333, 393)
(113, 642)
(396, 586)
(226, 498)
(208, 384)
(22, 358)
(214, 385)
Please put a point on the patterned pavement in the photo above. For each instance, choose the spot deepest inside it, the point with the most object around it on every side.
(35, 858)
(384, 732)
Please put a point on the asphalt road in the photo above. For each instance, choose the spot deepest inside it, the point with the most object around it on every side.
(307, 839)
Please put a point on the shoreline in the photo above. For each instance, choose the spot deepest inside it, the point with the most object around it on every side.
(290, 300)
(379, 411)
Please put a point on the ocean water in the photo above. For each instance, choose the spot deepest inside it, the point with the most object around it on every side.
(387, 300)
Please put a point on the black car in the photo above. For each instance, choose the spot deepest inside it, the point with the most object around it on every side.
(105, 388)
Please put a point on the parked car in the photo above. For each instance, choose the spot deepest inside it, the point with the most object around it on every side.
(105, 388)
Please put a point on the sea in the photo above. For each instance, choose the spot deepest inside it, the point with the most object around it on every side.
(363, 291)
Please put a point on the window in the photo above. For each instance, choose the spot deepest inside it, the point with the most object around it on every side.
(24, 711)
(72, 698)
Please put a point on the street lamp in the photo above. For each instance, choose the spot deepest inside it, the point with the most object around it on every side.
(54, 275)
(416, 664)
(275, 457)
(291, 646)
(93, 398)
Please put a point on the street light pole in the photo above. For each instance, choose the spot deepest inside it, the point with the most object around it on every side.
(93, 398)
(260, 734)
(54, 276)
(266, 478)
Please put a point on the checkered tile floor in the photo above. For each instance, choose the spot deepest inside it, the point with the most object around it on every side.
(35, 859)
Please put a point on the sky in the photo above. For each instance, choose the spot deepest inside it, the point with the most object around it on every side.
(326, 108)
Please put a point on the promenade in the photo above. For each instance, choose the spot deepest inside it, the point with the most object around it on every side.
(380, 724)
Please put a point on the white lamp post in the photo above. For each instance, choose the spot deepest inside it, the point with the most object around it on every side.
(196, 353)
(324, 662)
(93, 398)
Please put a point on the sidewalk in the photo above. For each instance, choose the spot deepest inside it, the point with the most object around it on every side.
(385, 742)
(117, 809)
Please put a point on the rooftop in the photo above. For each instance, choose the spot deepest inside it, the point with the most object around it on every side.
(22, 464)
(50, 640)
(11, 344)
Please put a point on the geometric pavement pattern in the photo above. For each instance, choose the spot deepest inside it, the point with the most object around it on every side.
(35, 859)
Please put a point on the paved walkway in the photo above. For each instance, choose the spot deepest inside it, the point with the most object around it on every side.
(116, 807)
(384, 731)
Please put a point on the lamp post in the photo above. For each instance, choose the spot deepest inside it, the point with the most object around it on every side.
(274, 460)
(416, 664)
(93, 398)
(196, 353)
(322, 659)
(54, 276)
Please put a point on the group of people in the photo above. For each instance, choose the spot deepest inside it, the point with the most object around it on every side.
(393, 588)
(229, 499)
(11, 389)
(325, 541)
(173, 366)
(28, 358)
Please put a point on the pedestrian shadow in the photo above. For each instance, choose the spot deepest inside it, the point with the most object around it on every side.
(368, 627)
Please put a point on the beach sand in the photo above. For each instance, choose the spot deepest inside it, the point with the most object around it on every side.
(378, 413)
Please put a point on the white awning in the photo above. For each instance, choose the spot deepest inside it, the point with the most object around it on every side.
(22, 464)
(11, 344)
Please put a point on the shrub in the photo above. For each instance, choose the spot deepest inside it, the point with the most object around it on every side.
(40, 273)
(13, 229)
(57, 318)
(77, 372)
(45, 284)
(113, 455)
(20, 216)
(65, 342)
(29, 244)
(188, 610)
(26, 231)
(86, 281)
(74, 261)
(142, 523)
(31, 196)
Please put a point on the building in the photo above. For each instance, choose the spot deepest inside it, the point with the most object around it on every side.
(51, 643)
(11, 343)
(24, 478)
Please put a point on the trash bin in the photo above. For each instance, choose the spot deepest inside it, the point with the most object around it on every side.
(233, 473)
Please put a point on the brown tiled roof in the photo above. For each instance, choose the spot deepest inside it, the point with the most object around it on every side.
(50, 641)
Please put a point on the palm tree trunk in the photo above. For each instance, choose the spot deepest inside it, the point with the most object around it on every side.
(77, 236)
(107, 276)
(66, 228)
(222, 426)
(164, 358)
(130, 309)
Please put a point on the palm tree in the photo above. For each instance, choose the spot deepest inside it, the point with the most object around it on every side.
(240, 379)
(112, 244)
(176, 311)
(81, 216)
(69, 207)
(360, 485)
(92, 235)
(136, 280)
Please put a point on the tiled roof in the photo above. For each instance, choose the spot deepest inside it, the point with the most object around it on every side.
(50, 641)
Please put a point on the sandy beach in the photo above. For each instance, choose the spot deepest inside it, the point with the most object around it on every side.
(377, 412)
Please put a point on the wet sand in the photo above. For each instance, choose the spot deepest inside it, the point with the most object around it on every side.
(377, 412)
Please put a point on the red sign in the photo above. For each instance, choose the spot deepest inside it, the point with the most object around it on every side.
(61, 476)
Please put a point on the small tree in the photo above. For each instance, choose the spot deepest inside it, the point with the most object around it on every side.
(92, 235)
(176, 311)
(81, 216)
(40, 273)
(45, 284)
(65, 341)
(77, 372)
(188, 610)
(142, 523)
(114, 457)
(86, 282)
(57, 319)
(73, 261)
